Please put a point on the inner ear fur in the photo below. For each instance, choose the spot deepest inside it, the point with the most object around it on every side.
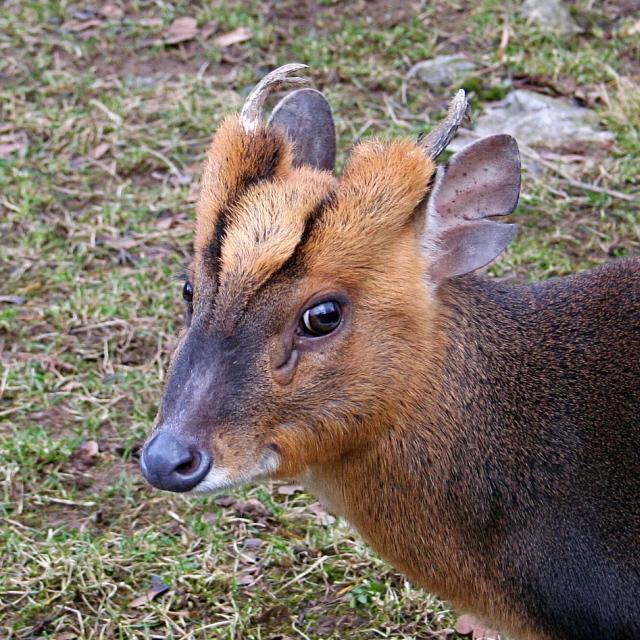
(480, 181)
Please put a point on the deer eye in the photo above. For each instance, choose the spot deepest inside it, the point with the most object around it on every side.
(187, 292)
(321, 319)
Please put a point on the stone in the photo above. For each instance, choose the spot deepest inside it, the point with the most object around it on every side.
(444, 71)
(550, 16)
(540, 121)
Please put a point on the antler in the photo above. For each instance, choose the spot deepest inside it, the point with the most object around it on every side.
(252, 110)
(438, 139)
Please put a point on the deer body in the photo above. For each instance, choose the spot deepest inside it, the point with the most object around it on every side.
(482, 437)
(534, 486)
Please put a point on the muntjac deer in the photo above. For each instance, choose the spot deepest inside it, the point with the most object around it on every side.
(483, 437)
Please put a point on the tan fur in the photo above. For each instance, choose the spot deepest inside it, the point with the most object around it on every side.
(383, 185)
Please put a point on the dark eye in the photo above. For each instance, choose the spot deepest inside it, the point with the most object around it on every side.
(321, 319)
(187, 292)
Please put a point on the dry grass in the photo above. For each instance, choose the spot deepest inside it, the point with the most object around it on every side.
(102, 133)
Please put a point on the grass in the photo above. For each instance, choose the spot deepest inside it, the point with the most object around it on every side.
(102, 134)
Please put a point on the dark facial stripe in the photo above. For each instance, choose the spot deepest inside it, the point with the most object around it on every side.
(293, 264)
(265, 162)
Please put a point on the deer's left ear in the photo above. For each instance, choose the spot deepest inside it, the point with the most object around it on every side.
(481, 181)
(306, 117)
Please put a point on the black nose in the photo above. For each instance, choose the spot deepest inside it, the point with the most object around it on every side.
(167, 464)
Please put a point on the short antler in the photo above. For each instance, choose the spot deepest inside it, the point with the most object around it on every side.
(438, 139)
(277, 79)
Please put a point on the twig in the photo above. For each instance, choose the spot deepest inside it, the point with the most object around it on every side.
(71, 503)
(392, 113)
(160, 156)
(114, 117)
(108, 170)
(319, 562)
(579, 184)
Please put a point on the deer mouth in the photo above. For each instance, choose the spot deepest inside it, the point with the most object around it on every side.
(221, 479)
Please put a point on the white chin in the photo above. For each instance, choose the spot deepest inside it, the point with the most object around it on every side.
(219, 479)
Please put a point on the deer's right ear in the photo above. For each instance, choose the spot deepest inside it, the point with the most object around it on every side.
(306, 117)
(481, 181)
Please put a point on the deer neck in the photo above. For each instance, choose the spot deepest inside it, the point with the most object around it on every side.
(416, 493)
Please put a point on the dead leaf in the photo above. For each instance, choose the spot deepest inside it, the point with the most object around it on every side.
(252, 508)
(71, 386)
(278, 614)
(12, 142)
(226, 501)
(84, 14)
(233, 37)
(470, 625)
(253, 543)
(290, 489)
(111, 12)
(77, 26)
(157, 588)
(121, 243)
(100, 150)
(245, 579)
(166, 223)
(13, 299)
(321, 515)
(8, 149)
(181, 30)
(208, 30)
(89, 448)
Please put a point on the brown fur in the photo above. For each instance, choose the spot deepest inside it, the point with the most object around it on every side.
(458, 428)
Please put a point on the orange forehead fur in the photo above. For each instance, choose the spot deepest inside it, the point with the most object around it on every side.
(236, 159)
(267, 202)
(265, 228)
(384, 184)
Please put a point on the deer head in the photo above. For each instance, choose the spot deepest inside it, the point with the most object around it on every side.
(312, 297)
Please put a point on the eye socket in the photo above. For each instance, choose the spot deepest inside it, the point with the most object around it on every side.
(187, 292)
(321, 319)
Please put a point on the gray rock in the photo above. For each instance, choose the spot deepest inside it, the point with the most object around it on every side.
(536, 120)
(444, 71)
(550, 16)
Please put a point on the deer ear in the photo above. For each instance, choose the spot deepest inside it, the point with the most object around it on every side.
(306, 117)
(482, 180)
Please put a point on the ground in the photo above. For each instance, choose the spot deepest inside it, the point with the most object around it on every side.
(105, 121)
